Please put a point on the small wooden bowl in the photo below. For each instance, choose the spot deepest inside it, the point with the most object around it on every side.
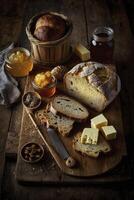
(51, 52)
(24, 148)
(34, 107)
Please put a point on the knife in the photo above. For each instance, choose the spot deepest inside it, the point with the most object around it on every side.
(55, 140)
(60, 148)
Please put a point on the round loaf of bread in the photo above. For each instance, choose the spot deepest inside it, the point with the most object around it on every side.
(50, 27)
(94, 84)
(52, 21)
(44, 33)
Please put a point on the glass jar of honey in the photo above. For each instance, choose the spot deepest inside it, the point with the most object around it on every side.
(19, 62)
(102, 45)
(45, 84)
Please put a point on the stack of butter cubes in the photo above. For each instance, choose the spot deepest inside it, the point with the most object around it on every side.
(98, 124)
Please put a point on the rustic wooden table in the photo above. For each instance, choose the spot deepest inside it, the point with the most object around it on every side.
(86, 15)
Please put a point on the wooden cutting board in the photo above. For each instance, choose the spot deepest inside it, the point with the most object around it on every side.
(86, 166)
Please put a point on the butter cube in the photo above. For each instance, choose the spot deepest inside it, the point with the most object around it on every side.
(109, 132)
(90, 136)
(82, 52)
(99, 121)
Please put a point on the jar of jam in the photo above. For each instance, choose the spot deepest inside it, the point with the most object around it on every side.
(102, 45)
(19, 62)
(45, 84)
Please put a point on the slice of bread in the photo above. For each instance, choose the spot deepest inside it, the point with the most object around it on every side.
(60, 122)
(91, 149)
(69, 107)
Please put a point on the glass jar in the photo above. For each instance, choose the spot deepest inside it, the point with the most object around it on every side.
(102, 45)
(19, 62)
(48, 90)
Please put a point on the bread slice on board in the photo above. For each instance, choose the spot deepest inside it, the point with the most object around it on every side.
(90, 149)
(69, 107)
(60, 122)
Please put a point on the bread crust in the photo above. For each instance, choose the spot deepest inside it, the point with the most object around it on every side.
(100, 77)
(70, 115)
(59, 122)
(53, 21)
(44, 33)
(91, 150)
(49, 27)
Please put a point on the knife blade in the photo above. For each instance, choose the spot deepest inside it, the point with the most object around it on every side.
(55, 140)
(59, 147)
(57, 144)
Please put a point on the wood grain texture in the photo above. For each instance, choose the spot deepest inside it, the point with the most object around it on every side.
(86, 166)
(15, 124)
(62, 6)
(116, 191)
(9, 32)
(81, 35)
(10, 188)
(124, 58)
(40, 170)
(5, 119)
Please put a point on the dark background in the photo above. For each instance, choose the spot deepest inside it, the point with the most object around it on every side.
(14, 15)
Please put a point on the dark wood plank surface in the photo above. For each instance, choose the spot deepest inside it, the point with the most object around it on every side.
(85, 15)
(10, 21)
(87, 167)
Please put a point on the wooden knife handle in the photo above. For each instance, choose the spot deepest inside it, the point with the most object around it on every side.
(70, 162)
